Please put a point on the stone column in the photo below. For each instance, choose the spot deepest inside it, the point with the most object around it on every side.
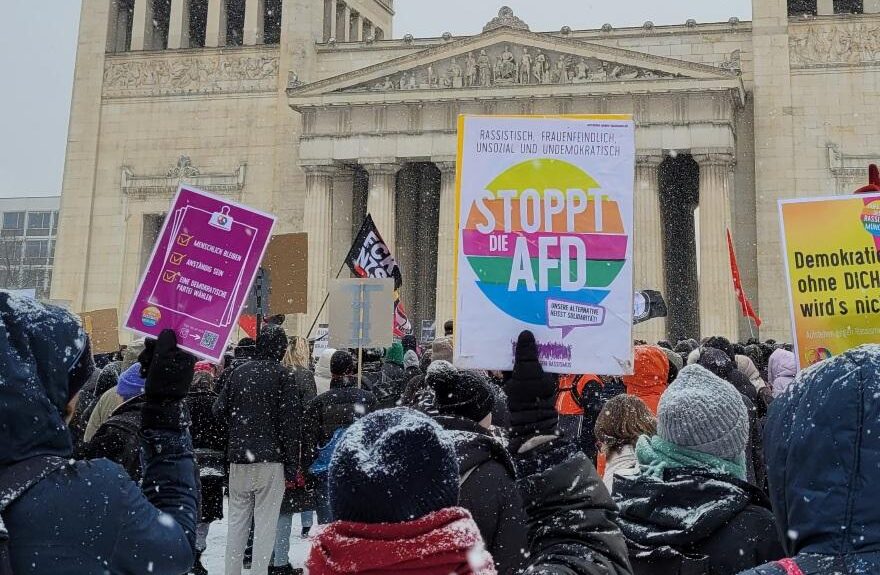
(358, 26)
(215, 32)
(380, 199)
(718, 312)
(142, 27)
(343, 199)
(334, 10)
(254, 19)
(445, 306)
(346, 29)
(178, 27)
(825, 7)
(649, 268)
(317, 223)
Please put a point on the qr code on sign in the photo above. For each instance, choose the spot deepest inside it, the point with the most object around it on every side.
(209, 340)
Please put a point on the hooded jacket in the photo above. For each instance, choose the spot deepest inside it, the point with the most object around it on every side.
(488, 491)
(339, 407)
(651, 375)
(781, 370)
(322, 371)
(442, 543)
(822, 436)
(571, 516)
(260, 405)
(87, 517)
(694, 521)
(747, 367)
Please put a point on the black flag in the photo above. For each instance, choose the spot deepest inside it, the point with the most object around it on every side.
(370, 256)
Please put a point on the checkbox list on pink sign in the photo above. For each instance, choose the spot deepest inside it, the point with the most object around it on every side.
(200, 271)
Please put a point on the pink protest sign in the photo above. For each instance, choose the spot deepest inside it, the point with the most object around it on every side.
(200, 272)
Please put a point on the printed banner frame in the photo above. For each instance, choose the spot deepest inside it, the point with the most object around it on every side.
(597, 178)
(836, 323)
(187, 263)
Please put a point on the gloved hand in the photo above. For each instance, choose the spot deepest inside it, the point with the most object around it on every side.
(169, 373)
(531, 394)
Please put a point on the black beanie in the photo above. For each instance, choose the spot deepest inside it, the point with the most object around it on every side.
(531, 394)
(393, 466)
(409, 342)
(467, 395)
(341, 363)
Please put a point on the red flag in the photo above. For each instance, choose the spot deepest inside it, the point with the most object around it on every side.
(745, 305)
(248, 324)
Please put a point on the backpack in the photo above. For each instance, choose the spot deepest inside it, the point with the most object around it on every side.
(322, 464)
(117, 439)
(15, 481)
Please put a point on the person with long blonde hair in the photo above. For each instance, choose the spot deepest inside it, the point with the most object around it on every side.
(297, 353)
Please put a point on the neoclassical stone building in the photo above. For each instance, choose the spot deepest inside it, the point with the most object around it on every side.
(308, 109)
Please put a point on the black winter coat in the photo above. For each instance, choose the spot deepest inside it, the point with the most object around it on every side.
(340, 407)
(489, 491)
(261, 406)
(301, 498)
(387, 385)
(695, 522)
(417, 394)
(117, 439)
(570, 514)
(209, 436)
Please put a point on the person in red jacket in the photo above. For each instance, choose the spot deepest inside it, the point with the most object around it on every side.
(394, 485)
(651, 375)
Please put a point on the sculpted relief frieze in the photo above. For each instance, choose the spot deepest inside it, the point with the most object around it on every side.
(506, 65)
(175, 75)
(835, 44)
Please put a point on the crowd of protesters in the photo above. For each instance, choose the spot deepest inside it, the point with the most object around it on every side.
(711, 458)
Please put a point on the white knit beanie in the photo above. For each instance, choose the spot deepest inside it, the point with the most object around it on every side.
(701, 411)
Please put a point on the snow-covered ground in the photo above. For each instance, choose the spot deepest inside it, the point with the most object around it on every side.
(215, 554)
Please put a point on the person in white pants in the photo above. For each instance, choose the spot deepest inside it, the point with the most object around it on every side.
(255, 493)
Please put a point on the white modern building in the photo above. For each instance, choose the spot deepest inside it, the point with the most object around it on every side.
(27, 243)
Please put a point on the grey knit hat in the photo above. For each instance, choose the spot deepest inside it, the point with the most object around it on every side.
(701, 411)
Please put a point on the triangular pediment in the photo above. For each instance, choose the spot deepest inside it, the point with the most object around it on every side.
(509, 57)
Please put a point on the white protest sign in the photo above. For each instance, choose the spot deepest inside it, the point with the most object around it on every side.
(361, 312)
(544, 243)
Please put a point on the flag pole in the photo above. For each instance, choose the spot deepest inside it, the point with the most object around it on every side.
(339, 273)
(751, 331)
(324, 303)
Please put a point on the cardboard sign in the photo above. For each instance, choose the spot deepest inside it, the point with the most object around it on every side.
(361, 311)
(544, 243)
(831, 248)
(286, 264)
(103, 328)
(200, 271)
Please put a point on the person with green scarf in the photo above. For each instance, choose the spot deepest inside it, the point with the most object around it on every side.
(690, 509)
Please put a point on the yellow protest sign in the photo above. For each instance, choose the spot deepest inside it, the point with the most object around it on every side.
(832, 254)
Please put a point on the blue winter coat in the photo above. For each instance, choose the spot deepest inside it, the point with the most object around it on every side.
(89, 517)
(822, 445)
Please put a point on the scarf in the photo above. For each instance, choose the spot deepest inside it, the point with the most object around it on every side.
(446, 542)
(656, 455)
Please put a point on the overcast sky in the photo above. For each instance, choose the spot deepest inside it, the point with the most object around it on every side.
(38, 49)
